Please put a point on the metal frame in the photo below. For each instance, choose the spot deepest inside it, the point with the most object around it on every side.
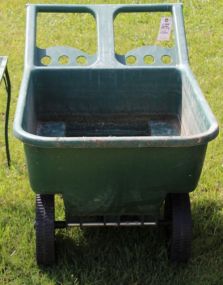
(63, 224)
(4, 75)
(139, 221)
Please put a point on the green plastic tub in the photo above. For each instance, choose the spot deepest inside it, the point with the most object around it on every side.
(113, 139)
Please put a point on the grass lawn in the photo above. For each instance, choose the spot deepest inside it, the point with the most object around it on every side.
(113, 256)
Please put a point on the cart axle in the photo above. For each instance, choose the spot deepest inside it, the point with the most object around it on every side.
(63, 224)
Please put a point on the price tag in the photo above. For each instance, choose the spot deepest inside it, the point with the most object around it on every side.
(165, 29)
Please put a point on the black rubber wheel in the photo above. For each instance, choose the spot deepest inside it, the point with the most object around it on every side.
(45, 241)
(177, 213)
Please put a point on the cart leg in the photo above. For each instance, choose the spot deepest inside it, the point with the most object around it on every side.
(8, 89)
(177, 212)
(45, 243)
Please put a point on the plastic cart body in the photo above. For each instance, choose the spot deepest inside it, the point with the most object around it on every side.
(115, 140)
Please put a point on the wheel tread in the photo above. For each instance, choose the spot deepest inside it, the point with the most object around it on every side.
(178, 211)
(45, 244)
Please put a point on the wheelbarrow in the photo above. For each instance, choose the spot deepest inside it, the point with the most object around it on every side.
(115, 141)
(4, 75)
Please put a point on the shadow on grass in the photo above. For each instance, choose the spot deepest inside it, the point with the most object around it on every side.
(137, 255)
(103, 255)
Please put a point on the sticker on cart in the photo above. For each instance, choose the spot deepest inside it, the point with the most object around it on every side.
(165, 29)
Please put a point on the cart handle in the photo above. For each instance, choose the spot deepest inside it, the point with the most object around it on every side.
(105, 15)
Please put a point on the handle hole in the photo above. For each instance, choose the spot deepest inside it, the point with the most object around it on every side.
(166, 59)
(54, 29)
(137, 29)
(63, 59)
(148, 59)
(131, 59)
(46, 60)
(81, 60)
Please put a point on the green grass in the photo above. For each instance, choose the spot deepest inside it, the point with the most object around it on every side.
(113, 256)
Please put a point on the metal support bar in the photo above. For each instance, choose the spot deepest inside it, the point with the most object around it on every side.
(111, 224)
(7, 82)
(63, 224)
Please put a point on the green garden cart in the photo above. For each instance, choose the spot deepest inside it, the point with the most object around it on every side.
(116, 141)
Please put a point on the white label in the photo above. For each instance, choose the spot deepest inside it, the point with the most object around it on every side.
(165, 29)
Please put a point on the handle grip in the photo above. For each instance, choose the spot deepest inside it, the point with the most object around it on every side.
(105, 15)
